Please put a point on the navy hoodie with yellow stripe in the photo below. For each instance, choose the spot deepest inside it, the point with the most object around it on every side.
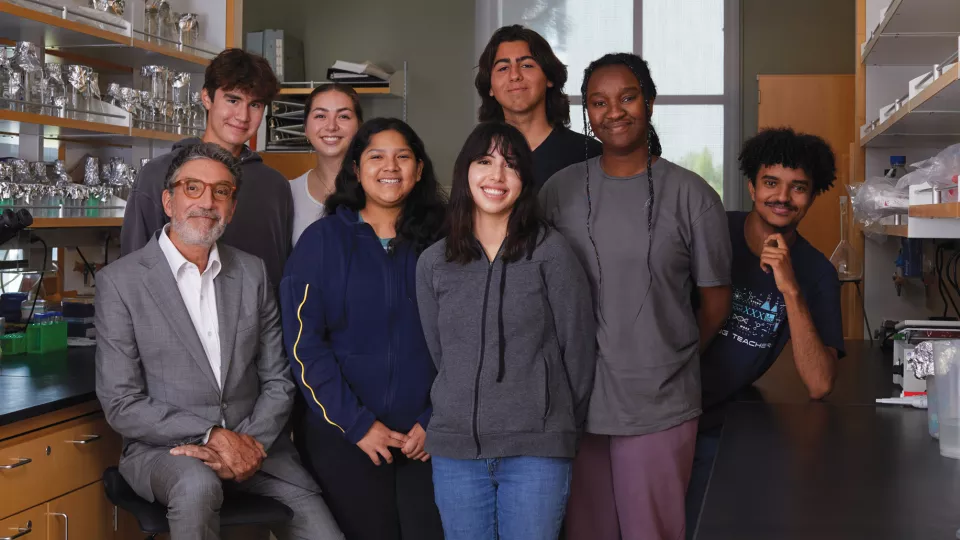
(352, 329)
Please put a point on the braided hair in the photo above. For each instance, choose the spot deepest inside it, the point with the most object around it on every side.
(638, 66)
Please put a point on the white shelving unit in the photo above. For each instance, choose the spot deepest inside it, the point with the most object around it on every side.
(912, 94)
(931, 118)
(911, 32)
(909, 68)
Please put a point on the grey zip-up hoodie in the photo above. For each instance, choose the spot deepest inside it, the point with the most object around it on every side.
(515, 349)
(262, 223)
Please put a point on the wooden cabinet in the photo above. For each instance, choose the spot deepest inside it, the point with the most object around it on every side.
(28, 525)
(85, 514)
(56, 460)
(53, 485)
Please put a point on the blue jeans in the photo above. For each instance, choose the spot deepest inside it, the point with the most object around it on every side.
(511, 498)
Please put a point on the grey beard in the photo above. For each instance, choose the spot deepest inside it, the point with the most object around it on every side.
(193, 237)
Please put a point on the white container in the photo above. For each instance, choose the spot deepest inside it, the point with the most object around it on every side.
(946, 358)
(28, 305)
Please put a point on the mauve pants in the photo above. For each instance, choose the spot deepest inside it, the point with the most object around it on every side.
(631, 488)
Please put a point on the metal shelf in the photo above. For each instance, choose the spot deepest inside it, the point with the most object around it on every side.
(76, 222)
(55, 127)
(931, 119)
(914, 33)
(61, 34)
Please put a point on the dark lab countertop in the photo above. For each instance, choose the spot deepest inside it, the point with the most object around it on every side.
(864, 375)
(32, 385)
(788, 468)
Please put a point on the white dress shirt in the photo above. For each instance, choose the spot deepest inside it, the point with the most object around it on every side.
(199, 295)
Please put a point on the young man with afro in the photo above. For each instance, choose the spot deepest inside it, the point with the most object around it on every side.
(783, 289)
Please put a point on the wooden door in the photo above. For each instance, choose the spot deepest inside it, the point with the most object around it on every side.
(290, 164)
(85, 513)
(822, 105)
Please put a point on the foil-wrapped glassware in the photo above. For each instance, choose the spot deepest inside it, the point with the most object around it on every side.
(8, 91)
(38, 172)
(52, 87)
(91, 171)
(21, 171)
(154, 12)
(180, 88)
(148, 109)
(113, 94)
(168, 28)
(93, 90)
(12, 85)
(198, 113)
(77, 88)
(26, 60)
(110, 6)
(188, 29)
(46, 189)
(156, 80)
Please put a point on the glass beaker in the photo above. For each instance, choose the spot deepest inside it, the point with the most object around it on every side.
(845, 259)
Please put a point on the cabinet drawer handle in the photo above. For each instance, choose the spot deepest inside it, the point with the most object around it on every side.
(21, 531)
(87, 439)
(66, 525)
(20, 463)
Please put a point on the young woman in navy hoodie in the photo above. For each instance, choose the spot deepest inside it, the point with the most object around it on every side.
(507, 314)
(353, 336)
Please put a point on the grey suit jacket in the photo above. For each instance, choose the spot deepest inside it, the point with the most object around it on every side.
(154, 381)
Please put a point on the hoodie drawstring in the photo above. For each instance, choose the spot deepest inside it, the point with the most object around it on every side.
(501, 341)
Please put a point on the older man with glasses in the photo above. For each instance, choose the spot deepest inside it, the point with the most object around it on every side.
(190, 363)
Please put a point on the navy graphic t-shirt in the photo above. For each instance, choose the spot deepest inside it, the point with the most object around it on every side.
(757, 331)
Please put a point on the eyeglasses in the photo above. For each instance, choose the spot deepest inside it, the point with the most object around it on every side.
(196, 188)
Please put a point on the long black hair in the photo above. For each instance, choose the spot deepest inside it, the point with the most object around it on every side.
(638, 66)
(525, 226)
(558, 104)
(421, 220)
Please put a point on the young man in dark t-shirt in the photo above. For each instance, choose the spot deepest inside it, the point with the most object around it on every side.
(783, 289)
(520, 81)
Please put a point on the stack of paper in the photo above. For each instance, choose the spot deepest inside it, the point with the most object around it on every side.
(364, 74)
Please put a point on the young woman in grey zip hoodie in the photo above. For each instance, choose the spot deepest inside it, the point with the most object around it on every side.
(507, 313)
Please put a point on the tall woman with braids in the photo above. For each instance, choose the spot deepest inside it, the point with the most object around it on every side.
(653, 240)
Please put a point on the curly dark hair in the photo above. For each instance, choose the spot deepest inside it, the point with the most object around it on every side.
(526, 226)
(784, 146)
(236, 69)
(421, 221)
(558, 104)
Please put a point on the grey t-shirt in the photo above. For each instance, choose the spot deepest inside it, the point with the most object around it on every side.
(648, 368)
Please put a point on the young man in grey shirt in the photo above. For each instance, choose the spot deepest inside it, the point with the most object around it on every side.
(651, 236)
(237, 87)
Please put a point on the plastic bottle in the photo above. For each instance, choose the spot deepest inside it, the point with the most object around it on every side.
(898, 167)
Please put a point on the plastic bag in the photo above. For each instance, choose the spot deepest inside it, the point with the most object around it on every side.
(876, 199)
(940, 170)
